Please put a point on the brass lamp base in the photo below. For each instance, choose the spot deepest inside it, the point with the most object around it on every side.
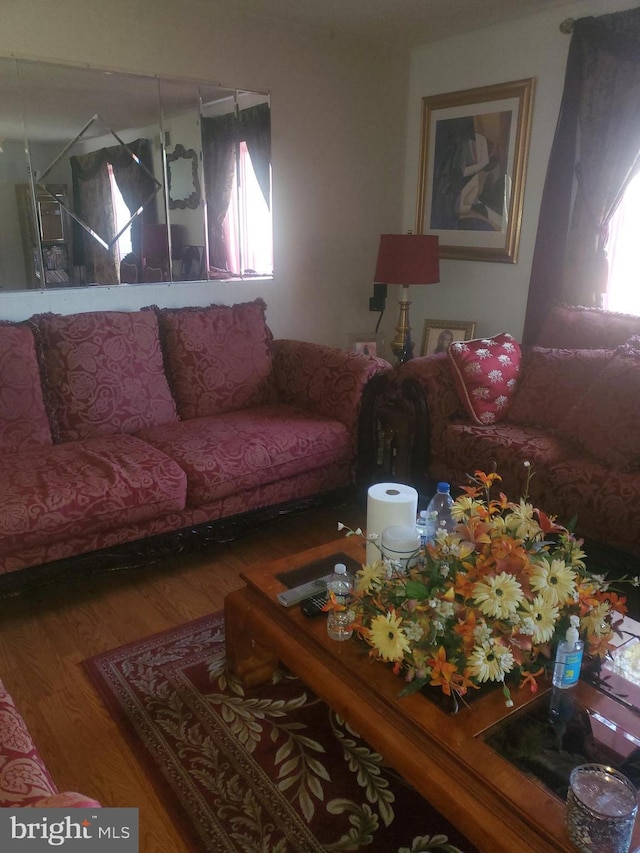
(402, 345)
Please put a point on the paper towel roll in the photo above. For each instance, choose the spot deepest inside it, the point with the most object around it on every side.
(388, 504)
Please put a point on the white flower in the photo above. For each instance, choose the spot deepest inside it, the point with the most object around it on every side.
(483, 353)
(511, 383)
(472, 368)
(501, 401)
(487, 417)
(504, 359)
(495, 375)
(490, 662)
(508, 346)
(481, 393)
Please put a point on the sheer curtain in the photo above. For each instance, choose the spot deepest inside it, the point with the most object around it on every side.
(593, 158)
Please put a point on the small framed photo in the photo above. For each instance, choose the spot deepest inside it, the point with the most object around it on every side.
(368, 343)
(438, 334)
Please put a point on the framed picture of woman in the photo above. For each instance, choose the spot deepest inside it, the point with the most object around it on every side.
(473, 159)
(438, 334)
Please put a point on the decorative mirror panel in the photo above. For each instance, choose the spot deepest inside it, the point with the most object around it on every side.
(104, 179)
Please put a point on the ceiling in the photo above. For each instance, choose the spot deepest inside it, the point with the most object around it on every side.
(406, 23)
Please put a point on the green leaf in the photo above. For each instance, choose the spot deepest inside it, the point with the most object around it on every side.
(414, 686)
(416, 589)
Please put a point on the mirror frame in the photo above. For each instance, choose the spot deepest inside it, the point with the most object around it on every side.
(191, 201)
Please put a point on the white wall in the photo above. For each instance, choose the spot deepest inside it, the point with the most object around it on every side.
(338, 128)
(493, 294)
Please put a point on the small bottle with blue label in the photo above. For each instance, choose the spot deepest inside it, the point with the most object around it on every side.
(566, 671)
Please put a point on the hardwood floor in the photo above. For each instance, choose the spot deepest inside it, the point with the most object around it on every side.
(45, 634)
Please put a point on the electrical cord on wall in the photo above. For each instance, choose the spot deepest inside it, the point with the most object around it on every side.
(379, 320)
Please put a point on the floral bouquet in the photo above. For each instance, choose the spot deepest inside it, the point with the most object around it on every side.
(486, 602)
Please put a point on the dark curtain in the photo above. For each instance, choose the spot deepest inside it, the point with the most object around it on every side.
(595, 154)
(93, 203)
(255, 130)
(94, 206)
(220, 138)
(136, 184)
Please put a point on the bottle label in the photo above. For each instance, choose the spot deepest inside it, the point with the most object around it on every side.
(571, 669)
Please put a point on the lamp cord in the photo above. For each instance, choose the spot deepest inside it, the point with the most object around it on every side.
(379, 321)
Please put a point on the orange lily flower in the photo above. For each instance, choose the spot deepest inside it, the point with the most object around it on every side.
(530, 679)
(441, 671)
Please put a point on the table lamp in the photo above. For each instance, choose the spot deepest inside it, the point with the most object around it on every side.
(406, 259)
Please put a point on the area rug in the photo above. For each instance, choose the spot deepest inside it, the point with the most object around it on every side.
(266, 770)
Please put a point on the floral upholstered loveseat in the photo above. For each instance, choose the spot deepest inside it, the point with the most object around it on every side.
(24, 778)
(118, 426)
(572, 411)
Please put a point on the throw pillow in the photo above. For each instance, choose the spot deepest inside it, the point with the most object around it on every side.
(105, 373)
(23, 416)
(486, 372)
(218, 357)
(604, 422)
(551, 381)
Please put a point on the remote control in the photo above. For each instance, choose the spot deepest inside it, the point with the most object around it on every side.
(305, 590)
(313, 606)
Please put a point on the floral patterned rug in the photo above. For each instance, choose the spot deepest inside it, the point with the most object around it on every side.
(266, 770)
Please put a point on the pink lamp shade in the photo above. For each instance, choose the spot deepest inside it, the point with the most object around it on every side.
(408, 259)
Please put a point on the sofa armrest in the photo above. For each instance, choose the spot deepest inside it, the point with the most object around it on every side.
(434, 376)
(324, 380)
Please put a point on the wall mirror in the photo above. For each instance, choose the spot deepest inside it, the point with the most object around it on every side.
(110, 178)
(182, 178)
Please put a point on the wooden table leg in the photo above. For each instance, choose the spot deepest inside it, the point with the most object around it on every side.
(246, 658)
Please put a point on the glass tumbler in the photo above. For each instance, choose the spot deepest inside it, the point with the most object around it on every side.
(601, 809)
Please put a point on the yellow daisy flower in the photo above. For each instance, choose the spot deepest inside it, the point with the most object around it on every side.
(387, 638)
(544, 616)
(594, 621)
(554, 580)
(498, 596)
(490, 662)
(521, 522)
(463, 508)
(370, 576)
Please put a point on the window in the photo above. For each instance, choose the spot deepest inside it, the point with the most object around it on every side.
(247, 226)
(122, 216)
(623, 289)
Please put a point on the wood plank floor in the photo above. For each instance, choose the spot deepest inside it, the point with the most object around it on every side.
(45, 634)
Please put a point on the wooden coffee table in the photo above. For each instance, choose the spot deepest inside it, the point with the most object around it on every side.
(444, 756)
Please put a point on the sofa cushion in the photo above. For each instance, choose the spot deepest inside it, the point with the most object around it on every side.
(603, 501)
(485, 372)
(218, 358)
(76, 488)
(252, 447)
(23, 417)
(105, 373)
(604, 421)
(551, 381)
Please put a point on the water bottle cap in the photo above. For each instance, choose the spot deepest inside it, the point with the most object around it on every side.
(340, 569)
(423, 513)
(443, 488)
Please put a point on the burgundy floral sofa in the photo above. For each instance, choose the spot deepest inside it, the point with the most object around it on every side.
(572, 410)
(119, 426)
(24, 778)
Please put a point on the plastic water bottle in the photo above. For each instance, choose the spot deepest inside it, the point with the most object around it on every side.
(339, 621)
(421, 527)
(439, 512)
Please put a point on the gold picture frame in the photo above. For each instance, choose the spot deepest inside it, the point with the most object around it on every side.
(435, 338)
(474, 149)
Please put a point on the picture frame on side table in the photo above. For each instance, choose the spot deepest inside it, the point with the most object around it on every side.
(369, 343)
(438, 334)
(474, 149)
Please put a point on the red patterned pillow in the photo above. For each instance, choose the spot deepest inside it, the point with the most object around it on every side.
(105, 373)
(486, 372)
(604, 422)
(218, 357)
(23, 417)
